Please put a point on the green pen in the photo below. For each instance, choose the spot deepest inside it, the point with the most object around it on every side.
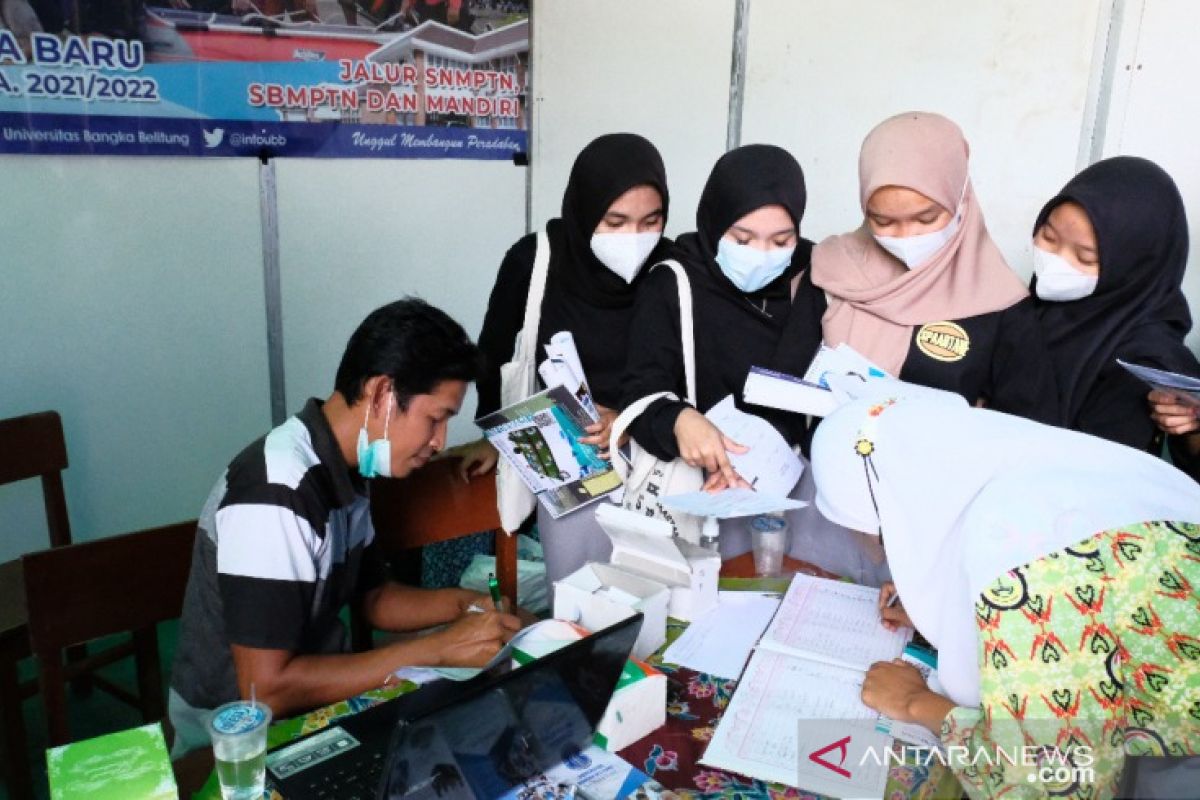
(494, 588)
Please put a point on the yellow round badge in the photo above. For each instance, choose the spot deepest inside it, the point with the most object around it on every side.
(944, 341)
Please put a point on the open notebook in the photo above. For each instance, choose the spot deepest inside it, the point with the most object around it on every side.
(796, 717)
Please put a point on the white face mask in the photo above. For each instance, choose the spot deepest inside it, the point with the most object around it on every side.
(749, 268)
(625, 253)
(1058, 280)
(915, 251)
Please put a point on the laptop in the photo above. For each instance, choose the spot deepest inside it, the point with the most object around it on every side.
(469, 740)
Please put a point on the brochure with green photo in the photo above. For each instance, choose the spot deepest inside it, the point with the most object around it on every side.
(118, 766)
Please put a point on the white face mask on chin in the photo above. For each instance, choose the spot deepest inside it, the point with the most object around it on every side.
(1057, 280)
(624, 253)
(914, 251)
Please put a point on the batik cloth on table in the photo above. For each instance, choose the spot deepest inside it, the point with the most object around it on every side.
(695, 703)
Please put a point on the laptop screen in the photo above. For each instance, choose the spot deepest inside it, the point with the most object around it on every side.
(504, 730)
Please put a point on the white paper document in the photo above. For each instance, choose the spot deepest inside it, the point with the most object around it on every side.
(769, 464)
(841, 360)
(563, 367)
(772, 389)
(834, 622)
(768, 730)
(797, 715)
(720, 641)
(1184, 388)
(729, 503)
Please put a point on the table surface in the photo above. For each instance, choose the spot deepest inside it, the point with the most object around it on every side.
(691, 696)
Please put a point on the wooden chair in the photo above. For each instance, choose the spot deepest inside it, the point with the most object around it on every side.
(434, 505)
(31, 446)
(81, 592)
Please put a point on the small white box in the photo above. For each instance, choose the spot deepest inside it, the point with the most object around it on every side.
(645, 547)
(599, 595)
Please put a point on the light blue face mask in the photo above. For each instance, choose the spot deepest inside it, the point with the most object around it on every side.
(375, 458)
(749, 268)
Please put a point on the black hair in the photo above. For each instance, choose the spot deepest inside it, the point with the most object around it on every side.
(413, 343)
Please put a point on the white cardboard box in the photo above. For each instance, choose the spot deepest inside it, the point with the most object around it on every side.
(599, 595)
(645, 547)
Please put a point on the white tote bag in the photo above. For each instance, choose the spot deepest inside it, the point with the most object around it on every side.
(518, 380)
(649, 478)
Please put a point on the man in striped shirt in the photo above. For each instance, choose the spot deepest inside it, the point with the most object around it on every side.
(285, 539)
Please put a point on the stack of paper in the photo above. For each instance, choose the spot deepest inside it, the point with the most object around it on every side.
(720, 642)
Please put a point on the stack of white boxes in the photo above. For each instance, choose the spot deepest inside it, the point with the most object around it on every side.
(655, 573)
(650, 571)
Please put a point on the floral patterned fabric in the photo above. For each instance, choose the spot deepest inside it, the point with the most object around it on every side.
(695, 703)
(1093, 646)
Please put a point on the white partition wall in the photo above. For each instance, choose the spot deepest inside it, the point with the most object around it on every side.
(658, 68)
(1015, 76)
(357, 234)
(131, 304)
(1154, 113)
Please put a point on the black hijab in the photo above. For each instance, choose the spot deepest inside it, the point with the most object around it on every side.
(1137, 312)
(744, 180)
(603, 171)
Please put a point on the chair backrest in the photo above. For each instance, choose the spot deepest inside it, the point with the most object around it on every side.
(84, 591)
(33, 446)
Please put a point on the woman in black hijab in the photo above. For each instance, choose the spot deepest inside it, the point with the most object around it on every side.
(1109, 256)
(740, 262)
(613, 214)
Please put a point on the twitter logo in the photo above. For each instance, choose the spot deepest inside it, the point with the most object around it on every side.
(213, 138)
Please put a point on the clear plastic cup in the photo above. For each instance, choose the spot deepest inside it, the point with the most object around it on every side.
(769, 540)
(239, 737)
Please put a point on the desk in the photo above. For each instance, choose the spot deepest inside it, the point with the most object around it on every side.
(695, 703)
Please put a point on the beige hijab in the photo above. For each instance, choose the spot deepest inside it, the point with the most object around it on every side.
(874, 299)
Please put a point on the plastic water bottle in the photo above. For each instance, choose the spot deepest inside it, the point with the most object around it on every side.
(710, 534)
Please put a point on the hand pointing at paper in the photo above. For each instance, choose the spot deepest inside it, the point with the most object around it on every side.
(701, 444)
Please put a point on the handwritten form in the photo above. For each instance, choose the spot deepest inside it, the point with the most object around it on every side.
(834, 622)
(809, 666)
(767, 730)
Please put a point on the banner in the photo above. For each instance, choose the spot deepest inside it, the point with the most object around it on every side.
(315, 78)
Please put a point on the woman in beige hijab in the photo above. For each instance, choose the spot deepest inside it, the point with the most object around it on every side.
(920, 288)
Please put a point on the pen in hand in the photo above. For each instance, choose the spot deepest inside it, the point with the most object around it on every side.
(494, 588)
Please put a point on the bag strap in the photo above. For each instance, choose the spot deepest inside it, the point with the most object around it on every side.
(533, 302)
(687, 337)
(687, 331)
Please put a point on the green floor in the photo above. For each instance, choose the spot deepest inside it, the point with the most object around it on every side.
(90, 715)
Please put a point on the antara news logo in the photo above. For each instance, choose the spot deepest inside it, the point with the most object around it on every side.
(1059, 770)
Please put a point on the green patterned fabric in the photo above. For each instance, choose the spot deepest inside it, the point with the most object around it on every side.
(1092, 650)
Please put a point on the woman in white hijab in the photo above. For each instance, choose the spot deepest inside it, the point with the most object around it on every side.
(1057, 574)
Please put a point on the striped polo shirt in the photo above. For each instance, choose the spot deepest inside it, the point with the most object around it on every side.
(284, 544)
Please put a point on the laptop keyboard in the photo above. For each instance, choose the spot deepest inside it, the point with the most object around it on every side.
(359, 779)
